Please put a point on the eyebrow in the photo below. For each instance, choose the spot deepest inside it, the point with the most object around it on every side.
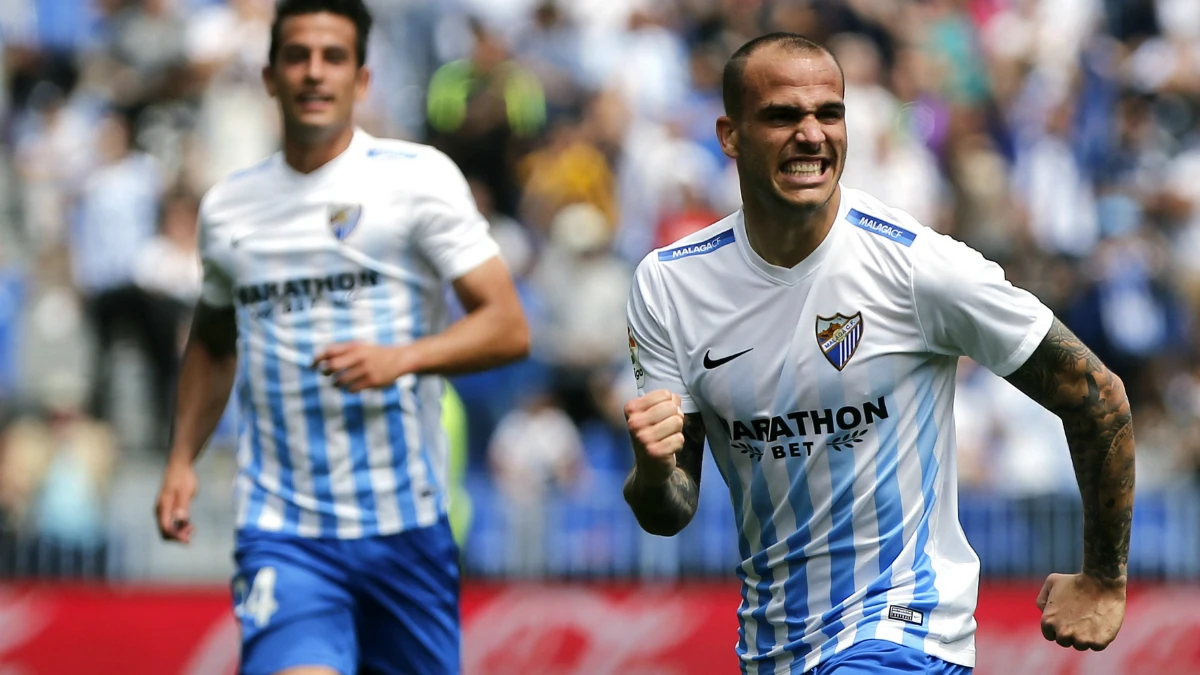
(795, 109)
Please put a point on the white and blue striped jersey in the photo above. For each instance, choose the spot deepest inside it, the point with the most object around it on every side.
(827, 395)
(359, 249)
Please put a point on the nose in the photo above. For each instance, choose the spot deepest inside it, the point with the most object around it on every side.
(810, 132)
(316, 67)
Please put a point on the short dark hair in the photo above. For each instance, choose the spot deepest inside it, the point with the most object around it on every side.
(733, 81)
(354, 10)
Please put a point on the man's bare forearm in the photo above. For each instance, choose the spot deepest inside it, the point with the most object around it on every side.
(1069, 380)
(493, 332)
(205, 381)
(664, 508)
(486, 338)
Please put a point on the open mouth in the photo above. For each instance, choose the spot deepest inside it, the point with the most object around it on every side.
(314, 101)
(805, 167)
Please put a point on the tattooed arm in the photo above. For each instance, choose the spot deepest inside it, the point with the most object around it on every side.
(1065, 377)
(664, 486)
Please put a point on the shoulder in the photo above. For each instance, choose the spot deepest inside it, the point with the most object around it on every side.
(420, 169)
(706, 241)
(251, 184)
(406, 155)
(894, 238)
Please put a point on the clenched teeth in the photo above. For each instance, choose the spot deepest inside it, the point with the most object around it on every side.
(807, 169)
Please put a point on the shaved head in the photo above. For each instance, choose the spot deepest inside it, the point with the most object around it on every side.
(733, 81)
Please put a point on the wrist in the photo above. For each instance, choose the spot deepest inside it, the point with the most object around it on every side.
(180, 456)
(651, 474)
(1117, 582)
(410, 358)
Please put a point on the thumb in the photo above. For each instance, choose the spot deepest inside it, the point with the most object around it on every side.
(1044, 596)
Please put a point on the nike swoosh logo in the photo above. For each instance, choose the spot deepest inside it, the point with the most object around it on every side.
(710, 363)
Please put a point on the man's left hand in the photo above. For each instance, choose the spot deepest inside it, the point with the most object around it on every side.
(356, 366)
(1081, 611)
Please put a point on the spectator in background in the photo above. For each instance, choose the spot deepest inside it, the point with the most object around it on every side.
(535, 451)
(584, 288)
(168, 274)
(117, 213)
(147, 53)
(236, 120)
(569, 169)
(482, 110)
(55, 151)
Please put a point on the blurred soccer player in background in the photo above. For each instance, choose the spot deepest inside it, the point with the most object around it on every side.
(324, 269)
(812, 338)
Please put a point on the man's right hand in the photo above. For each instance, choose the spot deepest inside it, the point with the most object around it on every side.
(655, 424)
(175, 501)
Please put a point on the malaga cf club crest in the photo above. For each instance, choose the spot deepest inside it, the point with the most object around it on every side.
(839, 336)
(343, 218)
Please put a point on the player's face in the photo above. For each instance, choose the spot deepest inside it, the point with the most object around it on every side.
(316, 76)
(790, 140)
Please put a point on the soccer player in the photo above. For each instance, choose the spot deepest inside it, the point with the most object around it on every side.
(812, 338)
(324, 271)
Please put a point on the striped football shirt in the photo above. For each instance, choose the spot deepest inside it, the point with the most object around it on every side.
(827, 392)
(359, 249)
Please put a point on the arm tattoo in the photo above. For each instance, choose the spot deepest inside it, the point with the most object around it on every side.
(1065, 377)
(667, 508)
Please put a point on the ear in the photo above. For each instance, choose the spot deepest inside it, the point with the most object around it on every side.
(728, 136)
(362, 84)
(269, 80)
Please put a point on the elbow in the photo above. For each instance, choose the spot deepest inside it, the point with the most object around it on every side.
(517, 345)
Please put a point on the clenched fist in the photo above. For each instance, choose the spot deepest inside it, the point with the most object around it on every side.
(1080, 611)
(655, 424)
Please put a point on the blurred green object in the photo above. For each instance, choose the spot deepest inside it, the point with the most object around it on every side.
(456, 83)
(454, 421)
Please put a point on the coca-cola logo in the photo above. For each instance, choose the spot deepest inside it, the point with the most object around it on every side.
(566, 630)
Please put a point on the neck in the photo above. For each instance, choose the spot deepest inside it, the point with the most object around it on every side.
(306, 154)
(784, 236)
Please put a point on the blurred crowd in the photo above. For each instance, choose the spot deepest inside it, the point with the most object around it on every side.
(1058, 137)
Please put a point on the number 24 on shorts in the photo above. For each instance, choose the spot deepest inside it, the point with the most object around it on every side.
(258, 602)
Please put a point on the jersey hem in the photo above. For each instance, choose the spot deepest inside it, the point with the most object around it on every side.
(439, 514)
(1032, 339)
(470, 259)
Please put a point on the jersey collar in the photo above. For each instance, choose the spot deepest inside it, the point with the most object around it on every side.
(793, 275)
(358, 143)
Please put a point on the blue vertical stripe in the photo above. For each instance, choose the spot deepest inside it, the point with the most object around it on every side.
(314, 422)
(795, 588)
(889, 509)
(925, 594)
(726, 465)
(249, 426)
(744, 402)
(416, 307)
(394, 418)
(764, 510)
(841, 532)
(356, 431)
(274, 391)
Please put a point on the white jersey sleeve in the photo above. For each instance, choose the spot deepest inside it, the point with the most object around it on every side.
(966, 307)
(450, 231)
(654, 363)
(216, 288)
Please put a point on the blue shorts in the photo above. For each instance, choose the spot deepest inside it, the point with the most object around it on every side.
(379, 605)
(882, 657)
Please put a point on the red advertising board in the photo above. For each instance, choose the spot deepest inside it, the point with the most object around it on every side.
(548, 630)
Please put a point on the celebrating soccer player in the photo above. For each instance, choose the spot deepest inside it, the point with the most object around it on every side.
(324, 269)
(813, 337)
